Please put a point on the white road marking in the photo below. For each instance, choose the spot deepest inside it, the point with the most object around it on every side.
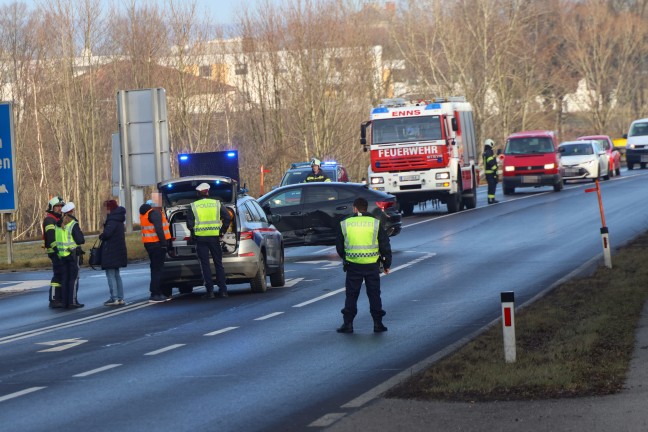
(80, 321)
(69, 343)
(94, 371)
(324, 250)
(332, 293)
(20, 393)
(20, 286)
(328, 263)
(327, 420)
(265, 317)
(292, 282)
(161, 350)
(223, 330)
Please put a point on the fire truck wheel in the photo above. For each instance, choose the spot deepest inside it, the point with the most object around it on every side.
(454, 202)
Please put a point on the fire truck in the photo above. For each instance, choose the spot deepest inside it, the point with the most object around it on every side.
(423, 150)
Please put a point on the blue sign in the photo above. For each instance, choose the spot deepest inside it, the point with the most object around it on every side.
(7, 166)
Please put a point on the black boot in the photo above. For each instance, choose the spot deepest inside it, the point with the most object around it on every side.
(347, 327)
(378, 326)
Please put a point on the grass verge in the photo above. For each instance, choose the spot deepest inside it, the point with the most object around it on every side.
(575, 341)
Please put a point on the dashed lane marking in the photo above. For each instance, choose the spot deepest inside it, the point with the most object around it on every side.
(95, 371)
(161, 350)
(292, 282)
(265, 317)
(20, 393)
(221, 331)
(327, 420)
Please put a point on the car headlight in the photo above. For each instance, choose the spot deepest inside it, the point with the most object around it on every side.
(509, 168)
(377, 180)
(550, 166)
(442, 176)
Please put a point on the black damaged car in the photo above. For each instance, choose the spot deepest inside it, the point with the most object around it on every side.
(311, 212)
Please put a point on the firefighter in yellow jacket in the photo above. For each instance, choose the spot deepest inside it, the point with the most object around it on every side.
(364, 247)
(317, 175)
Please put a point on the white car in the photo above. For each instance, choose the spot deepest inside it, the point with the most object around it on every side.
(583, 160)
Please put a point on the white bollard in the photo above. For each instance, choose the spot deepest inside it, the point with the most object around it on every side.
(607, 255)
(508, 325)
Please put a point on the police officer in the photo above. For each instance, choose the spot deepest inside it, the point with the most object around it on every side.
(363, 245)
(52, 216)
(208, 220)
(155, 236)
(69, 238)
(317, 175)
(490, 169)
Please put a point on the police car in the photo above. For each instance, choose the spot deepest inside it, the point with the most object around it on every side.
(300, 170)
(253, 248)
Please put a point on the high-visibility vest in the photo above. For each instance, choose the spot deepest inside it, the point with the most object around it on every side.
(361, 239)
(64, 241)
(148, 229)
(207, 214)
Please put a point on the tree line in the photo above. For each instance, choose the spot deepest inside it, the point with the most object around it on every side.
(306, 75)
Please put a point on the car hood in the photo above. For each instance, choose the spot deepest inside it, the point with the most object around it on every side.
(577, 159)
(182, 191)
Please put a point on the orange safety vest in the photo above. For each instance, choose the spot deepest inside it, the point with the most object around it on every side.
(148, 230)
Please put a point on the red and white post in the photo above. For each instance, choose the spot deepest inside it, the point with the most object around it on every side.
(508, 325)
(607, 254)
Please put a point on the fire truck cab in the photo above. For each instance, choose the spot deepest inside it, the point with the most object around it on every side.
(423, 150)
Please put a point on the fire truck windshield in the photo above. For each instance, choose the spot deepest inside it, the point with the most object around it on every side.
(407, 129)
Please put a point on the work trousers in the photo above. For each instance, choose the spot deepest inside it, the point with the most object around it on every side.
(355, 275)
(491, 179)
(55, 283)
(69, 279)
(156, 255)
(204, 249)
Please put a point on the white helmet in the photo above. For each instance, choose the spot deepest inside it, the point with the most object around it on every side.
(489, 143)
(316, 161)
(56, 201)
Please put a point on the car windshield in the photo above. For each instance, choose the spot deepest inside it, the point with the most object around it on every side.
(638, 129)
(528, 145)
(180, 193)
(577, 149)
(298, 176)
(407, 129)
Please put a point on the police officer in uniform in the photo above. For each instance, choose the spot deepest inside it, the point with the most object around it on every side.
(490, 169)
(52, 216)
(363, 245)
(69, 238)
(317, 175)
(207, 220)
(155, 236)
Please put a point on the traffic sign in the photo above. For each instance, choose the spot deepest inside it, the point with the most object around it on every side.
(7, 158)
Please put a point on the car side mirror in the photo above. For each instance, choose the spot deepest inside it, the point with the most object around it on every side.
(274, 219)
(625, 136)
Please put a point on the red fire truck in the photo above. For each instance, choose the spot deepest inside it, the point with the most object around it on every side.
(422, 151)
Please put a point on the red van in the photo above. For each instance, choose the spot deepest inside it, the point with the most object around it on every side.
(531, 159)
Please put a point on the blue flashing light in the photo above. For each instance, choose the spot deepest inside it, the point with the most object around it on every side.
(380, 110)
(440, 159)
(377, 164)
(169, 186)
(231, 154)
(329, 163)
(433, 106)
(184, 158)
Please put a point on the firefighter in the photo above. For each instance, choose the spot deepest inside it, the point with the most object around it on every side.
(52, 216)
(364, 247)
(317, 175)
(207, 221)
(155, 236)
(69, 238)
(490, 169)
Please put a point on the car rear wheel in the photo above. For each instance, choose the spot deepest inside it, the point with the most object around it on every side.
(508, 190)
(258, 282)
(643, 165)
(630, 166)
(278, 278)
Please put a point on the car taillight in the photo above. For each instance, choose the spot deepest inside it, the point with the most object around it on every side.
(247, 235)
(384, 205)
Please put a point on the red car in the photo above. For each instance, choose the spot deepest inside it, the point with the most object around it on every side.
(613, 152)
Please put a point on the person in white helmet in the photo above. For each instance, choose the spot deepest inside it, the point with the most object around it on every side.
(69, 238)
(490, 169)
(52, 216)
(317, 175)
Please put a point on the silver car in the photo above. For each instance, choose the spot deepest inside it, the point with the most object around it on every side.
(253, 249)
(585, 159)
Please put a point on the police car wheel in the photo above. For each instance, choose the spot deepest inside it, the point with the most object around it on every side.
(258, 282)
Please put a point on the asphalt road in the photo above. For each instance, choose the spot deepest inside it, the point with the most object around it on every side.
(273, 361)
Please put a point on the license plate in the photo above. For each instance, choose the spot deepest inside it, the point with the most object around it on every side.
(409, 178)
(571, 171)
(644, 158)
(530, 179)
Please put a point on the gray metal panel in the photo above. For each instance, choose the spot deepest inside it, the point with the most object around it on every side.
(116, 164)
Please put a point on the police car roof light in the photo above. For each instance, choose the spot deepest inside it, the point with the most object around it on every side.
(231, 154)
(184, 157)
(329, 163)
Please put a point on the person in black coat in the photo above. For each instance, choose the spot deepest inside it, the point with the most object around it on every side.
(113, 250)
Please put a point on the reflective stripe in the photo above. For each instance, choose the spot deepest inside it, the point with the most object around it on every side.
(207, 214)
(361, 239)
(64, 240)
